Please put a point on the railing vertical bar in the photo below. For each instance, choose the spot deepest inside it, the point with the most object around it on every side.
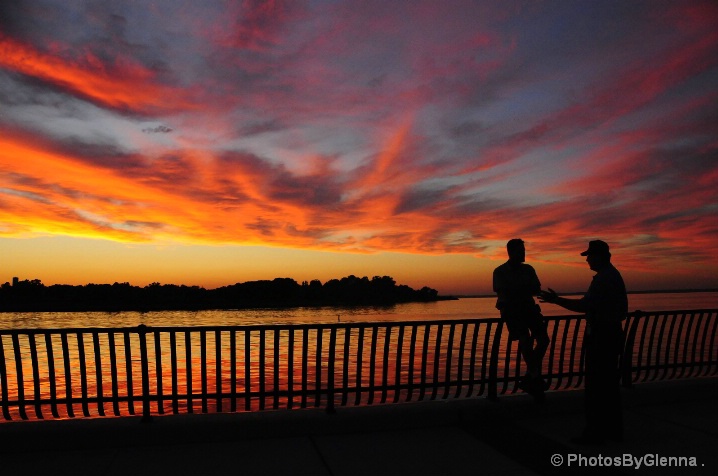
(247, 370)
(330, 369)
(83, 373)
(494, 362)
(218, 369)
(677, 341)
(484, 358)
(262, 366)
(704, 335)
(277, 361)
(35, 375)
(562, 355)
(372, 363)
(145, 372)
(305, 365)
(552, 355)
(19, 376)
(4, 393)
(695, 342)
(158, 373)
(641, 346)
(437, 362)
(629, 348)
(424, 358)
(449, 358)
(661, 355)
(188, 369)
(460, 361)
(507, 365)
(318, 369)
(98, 373)
(203, 368)
(712, 342)
(360, 355)
(669, 343)
(113, 373)
(50, 372)
(472, 359)
(128, 369)
(233, 370)
(398, 363)
(686, 343)
(290, 369)
(68, 374)
(582, 356)
(649, 353)
(345, 366)
(385, 364)
(175, 372)
(412, 358)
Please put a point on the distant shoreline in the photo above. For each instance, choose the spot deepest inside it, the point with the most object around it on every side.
(33, 296)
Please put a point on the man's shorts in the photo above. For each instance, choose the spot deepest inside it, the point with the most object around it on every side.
(525, 322)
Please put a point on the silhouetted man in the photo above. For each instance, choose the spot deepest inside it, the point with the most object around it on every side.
(606, 305)
(516, 284)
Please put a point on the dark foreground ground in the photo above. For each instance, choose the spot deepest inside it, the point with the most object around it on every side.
(513, 436)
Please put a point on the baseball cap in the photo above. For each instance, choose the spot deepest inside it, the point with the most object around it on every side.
(596, 247)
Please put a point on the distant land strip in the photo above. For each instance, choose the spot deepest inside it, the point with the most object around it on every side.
(34, 296)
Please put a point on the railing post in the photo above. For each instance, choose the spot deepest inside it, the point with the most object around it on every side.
(142, 332)
(626, 370)
(494, 362)
(330, 370)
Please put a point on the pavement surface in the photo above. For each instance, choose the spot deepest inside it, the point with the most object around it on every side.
(676, 421)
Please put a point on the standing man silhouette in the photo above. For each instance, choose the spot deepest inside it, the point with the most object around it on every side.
(606, 305)
(516, 284)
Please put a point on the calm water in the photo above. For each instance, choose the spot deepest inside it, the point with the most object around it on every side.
(460, 309)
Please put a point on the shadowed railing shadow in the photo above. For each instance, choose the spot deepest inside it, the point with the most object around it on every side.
(91, 372)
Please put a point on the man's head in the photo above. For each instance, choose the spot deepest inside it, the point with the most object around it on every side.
(516, 250)
(597, 255)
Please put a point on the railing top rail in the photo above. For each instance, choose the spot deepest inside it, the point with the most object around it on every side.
(314, 326)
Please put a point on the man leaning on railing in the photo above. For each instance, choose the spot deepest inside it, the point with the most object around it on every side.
(516, 284)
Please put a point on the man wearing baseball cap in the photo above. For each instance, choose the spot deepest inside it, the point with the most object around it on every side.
(605, 305)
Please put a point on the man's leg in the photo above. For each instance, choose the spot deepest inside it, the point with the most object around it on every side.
(539, 333)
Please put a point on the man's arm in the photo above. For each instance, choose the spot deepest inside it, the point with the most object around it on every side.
(535, 283)
(575, 305)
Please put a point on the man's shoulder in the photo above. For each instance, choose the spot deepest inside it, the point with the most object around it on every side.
(514, 269)
(501, 267)
(608, 272)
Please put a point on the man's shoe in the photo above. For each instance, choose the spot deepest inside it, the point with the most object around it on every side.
(533, 386)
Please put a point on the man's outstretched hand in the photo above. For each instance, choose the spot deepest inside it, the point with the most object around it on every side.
(549, 296)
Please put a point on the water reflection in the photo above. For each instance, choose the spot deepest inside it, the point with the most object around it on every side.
(468, 308)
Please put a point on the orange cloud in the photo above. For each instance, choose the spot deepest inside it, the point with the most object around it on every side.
(124, 85)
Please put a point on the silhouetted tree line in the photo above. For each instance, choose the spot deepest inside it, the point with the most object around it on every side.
(33, 295)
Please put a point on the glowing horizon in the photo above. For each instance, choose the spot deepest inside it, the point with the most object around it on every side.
(233, 141)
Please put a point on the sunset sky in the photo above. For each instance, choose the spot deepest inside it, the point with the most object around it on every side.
(214, 142)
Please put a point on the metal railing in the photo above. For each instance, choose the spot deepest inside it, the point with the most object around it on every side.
(152, 371)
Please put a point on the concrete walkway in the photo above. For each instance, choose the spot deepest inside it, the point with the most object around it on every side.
(512, 436)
